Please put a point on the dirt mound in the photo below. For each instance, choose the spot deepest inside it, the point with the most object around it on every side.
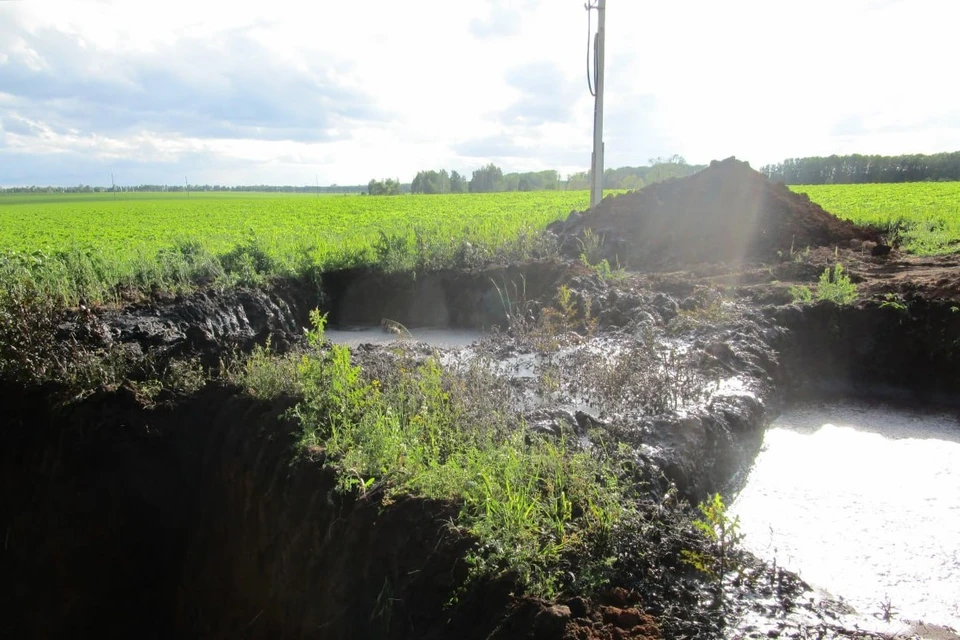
(725, 213)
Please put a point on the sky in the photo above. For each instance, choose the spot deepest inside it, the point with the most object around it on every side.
(277, 92)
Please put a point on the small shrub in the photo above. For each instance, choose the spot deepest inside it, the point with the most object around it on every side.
(723, 533)
(887, 610)
(605, 272)
(710, 310)
(185, 376)
(565, 317)
(835, 286)
(644, 378)
(266, 375)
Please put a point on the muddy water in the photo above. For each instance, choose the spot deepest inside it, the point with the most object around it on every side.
(864, 502)
(442, 338)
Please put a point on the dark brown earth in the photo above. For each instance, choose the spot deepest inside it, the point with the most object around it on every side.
(726, 213)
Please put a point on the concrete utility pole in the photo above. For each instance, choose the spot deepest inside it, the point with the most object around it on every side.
(596, 164)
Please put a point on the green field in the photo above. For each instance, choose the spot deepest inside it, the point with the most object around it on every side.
(923, 216)
(94, 247)
(91, 246)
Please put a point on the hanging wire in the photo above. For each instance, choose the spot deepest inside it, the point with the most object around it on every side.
(590, 78)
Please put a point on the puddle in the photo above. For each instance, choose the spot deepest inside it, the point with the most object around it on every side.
(441, 338)
(864, 502)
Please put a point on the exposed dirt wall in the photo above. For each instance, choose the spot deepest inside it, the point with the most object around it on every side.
(911, 353)
(461, 299)
(197, 521)
(95, 506)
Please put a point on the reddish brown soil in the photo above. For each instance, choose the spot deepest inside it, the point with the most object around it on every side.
(613, 616)
(726, 213)
(930, 278)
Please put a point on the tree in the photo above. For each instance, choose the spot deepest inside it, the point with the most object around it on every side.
(388, 187)
(457, 183)
(431, 182)
(666, 168)
(487, 179)
(510, 182)
(578, 181)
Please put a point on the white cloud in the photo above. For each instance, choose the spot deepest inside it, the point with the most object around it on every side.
(279, 92)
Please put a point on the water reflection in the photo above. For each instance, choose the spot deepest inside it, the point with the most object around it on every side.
(442, 338)
(864, 501)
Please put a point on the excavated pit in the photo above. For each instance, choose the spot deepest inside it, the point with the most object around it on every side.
(196, 519)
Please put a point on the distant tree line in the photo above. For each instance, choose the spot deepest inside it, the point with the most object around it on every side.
(858, 169)
(486, 179)
(193, 188)
(438, 182)
(658, 170)
(490, 178)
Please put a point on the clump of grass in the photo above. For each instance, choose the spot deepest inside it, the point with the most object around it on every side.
(250, 262)
(591, 255)
(566, 315)
(547, 328)
(895, 302)
(184, 377)
(930, 237)
(920, 217)
(33, 351)
(800, 293)
(530, 502)
(709, 309)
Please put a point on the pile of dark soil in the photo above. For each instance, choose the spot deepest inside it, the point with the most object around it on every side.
(725, 213)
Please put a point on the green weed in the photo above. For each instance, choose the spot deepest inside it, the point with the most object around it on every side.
(835, 286)
(529, 502)
(800, 293)
(723, 534)
(895, 302)
(591, 250)
(265, 375)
